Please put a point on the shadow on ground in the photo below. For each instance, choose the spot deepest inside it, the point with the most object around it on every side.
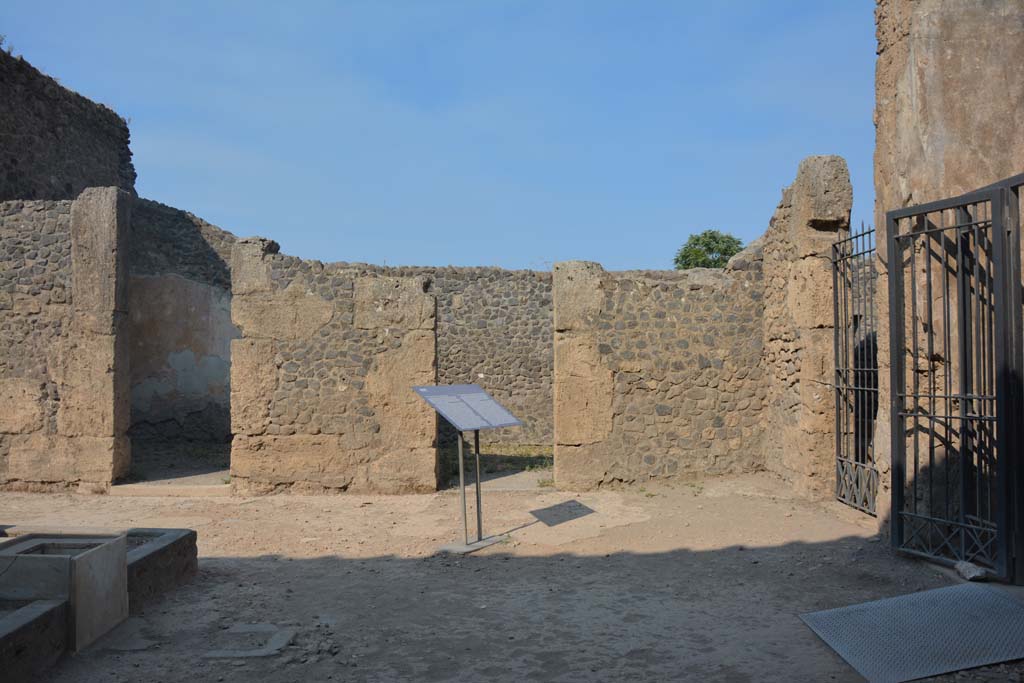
(197, 462)
(723, 615)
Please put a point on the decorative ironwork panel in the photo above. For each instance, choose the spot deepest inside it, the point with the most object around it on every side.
(856, 359)
(955, 344)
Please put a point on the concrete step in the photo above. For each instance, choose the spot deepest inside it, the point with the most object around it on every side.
(171, 490)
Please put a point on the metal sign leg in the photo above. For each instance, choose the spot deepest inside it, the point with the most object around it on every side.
(479, 512)
(462, 487)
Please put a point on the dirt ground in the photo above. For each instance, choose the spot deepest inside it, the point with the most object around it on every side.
(702, 582)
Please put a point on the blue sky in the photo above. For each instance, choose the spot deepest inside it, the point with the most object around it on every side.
(480, 132)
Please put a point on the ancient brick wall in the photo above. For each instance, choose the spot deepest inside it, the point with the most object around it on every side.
(180, 326)
(799, 356)
(657, 373)
(493, 329)
(320, 381)
(54, 143)
(63, 377)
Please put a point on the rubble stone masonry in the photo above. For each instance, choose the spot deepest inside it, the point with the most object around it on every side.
(63, 378)
(799, 355)
(657, 374)
(493, 329)
(679, 375)
(54, 143)
(321, 379)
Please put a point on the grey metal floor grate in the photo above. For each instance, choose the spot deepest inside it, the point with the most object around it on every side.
(925, 634)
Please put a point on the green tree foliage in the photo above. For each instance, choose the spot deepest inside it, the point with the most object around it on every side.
(708, 249)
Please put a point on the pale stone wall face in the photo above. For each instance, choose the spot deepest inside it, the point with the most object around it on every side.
(321, 380)
(798, 333)
(62, 306)
(948, 89)
(180, 327)
(687, 374)
(657, 374)
(493, 329)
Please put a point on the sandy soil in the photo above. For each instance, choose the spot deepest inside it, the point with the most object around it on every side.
(702, 582)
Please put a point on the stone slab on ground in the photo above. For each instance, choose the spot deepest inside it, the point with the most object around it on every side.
(473, 546)
(171, 490)
(277, 638)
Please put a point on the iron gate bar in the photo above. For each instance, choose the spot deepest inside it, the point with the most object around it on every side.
(999, 374)
(974, 417)
(856, 375)
(1014, 382)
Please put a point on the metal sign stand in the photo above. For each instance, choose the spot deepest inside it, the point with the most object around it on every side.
(462, 488)
(467, 407)
(480, 542)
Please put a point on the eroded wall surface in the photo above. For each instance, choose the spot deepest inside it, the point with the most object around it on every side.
(180, 327)
(948, 116)
(321, 379)
(680, 375)
(493, 329)
(54, 143)
(799, 354)
(658, 373)
(63, 375)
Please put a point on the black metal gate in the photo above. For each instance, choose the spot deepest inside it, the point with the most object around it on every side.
(955, 345)
(856, 380)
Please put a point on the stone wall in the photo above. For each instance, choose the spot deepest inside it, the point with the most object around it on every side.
(493, 329)
(63, 377)
(799, 356)
(320, 380)
(35, 300)
(180, 329)
(948, 88)
(680, 375)
(54, 143)
(657, 374)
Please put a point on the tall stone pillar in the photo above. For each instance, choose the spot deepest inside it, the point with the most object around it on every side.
(799, 324)
(88, 362)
